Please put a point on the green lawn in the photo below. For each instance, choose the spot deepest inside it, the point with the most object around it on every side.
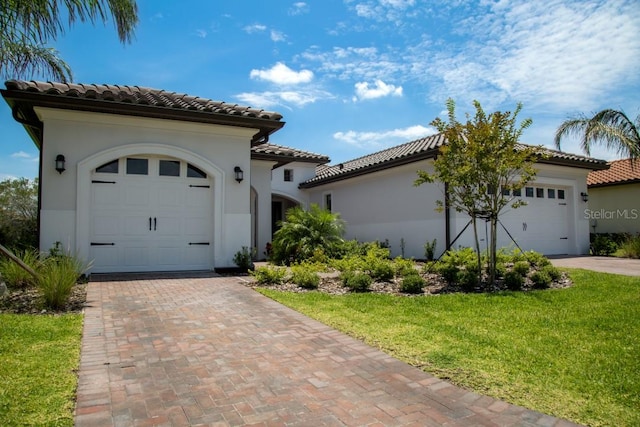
(38, 359)
(573, 353)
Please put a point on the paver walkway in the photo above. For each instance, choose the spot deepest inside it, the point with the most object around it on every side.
(211, 351)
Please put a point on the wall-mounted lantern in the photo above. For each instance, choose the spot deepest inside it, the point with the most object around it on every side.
(238, 173)
(585, 197)
(60, 163)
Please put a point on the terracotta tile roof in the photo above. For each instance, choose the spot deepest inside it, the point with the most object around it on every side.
(623, 171)
(285, 154)
(138, 101)
(420, 149)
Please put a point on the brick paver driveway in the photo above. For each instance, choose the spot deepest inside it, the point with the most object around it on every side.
(210, 351)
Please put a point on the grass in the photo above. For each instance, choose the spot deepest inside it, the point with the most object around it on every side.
(38, 359)
(571, 353)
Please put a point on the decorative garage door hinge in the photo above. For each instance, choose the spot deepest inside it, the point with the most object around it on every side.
(199, 186)
(199, 243)
(102, 244)
(96, 181)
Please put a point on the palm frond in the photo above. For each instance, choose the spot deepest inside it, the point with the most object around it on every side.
(18, 59)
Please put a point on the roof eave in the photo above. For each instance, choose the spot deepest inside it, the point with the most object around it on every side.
(613, 184)
(28, 100)
(582, 164)
(285, 159)
(400, 161)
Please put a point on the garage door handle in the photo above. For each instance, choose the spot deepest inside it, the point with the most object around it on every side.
(155, 223)
(149, 223)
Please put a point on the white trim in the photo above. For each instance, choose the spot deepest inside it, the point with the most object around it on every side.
(83, 197)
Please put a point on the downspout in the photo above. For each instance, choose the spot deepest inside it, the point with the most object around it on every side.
(38, 128)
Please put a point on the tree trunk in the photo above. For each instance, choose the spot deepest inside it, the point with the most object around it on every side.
(478, 257)
(493, 250)
(18, 261)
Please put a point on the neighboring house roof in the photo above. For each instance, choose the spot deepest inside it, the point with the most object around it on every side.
(23, 96)
(623, 171)
(420, 149)
(284, 155)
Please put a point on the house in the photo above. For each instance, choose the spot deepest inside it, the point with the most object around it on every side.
(139, 179)
(614, 198)
(376, 197)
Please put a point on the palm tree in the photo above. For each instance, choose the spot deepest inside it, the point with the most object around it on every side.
(610, 127)
(27, 26)
(304, 232)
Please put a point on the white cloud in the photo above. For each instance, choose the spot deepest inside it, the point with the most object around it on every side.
(380, 89)
(255, 28)
(299, 8)
(277, 36)
(282, 75)
(21, 155)
(271, 99)
(558, 54)
(201, 33)
(389, 138)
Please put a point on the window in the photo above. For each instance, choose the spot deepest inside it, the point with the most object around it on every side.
(505, 192)
(528, 191)
(169, 168)
(137, 166)
(561, 194)
(111, 167)
(327, 202)
(194, 172)
(551, 193)
(288, 175)
(540, 193)
(517, 193)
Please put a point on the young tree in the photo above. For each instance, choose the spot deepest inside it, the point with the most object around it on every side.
(27, 26)
(482, 164)
(610, 127)
(18, 213)
(303, 232)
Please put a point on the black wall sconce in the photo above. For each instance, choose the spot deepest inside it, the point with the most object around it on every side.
(239, 174)
(60, 163)
(585, 197)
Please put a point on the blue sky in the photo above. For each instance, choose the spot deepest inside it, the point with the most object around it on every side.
(356, 76)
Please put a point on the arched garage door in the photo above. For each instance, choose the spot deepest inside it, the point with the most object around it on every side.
(150, 213)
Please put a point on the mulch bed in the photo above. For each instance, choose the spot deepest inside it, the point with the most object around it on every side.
(28, 301)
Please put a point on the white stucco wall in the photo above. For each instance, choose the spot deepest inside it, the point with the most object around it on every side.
(261, 183)
(301, 172)
(614, 209)
(87, 139)
(386, 205)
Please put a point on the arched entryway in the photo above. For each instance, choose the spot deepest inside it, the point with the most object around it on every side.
(279, 207)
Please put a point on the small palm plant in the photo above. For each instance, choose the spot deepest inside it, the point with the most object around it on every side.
(303, 232)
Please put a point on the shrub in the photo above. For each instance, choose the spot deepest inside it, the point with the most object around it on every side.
(14, 275)
(536, 259)
(603, 245)
(513, 280)
(430, 250)
(522, 268)
(269, 275)
(540, 279)
(412, 284)
(404, 267)
(381, 270)
(449, 272)
(630, 248)
(57, 276)
(552, 271)
(356, 281)
(305, 276)
(244, 258)
(468, 280)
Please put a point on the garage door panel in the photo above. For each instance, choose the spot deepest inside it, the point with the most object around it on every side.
(106, 225)
(198, 198)
(136, 195)
(137, 225)
(106, 195)
(136, 256)
(107, 256)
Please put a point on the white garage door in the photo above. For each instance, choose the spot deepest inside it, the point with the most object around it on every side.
(150, 214)
(542, 225)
